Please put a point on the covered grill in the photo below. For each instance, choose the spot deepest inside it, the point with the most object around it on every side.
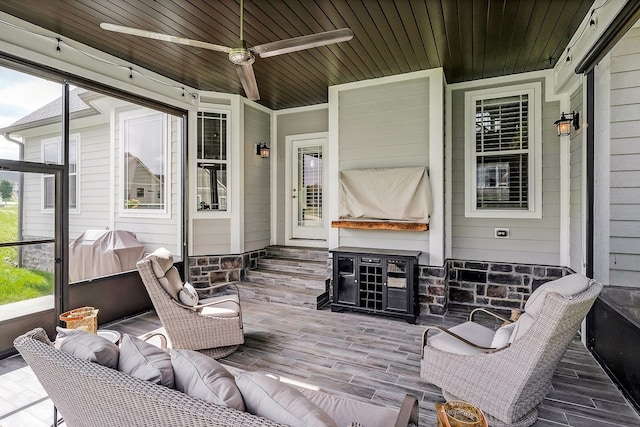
(97, 253)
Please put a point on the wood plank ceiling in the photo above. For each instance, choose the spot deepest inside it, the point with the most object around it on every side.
(470, 39)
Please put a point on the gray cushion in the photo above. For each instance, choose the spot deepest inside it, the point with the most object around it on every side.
(188, 295)
(566, 286)
(87, 346)
(202, 377)
(172, 283)
(161, 261)
(470, 331)
(143, 360)
(344, 411)
(279, 402)
(229, 308)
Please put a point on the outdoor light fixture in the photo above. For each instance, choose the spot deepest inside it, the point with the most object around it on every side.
(565, 122)
(262, 150)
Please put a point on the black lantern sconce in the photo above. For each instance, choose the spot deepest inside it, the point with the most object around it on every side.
(565, 122)
(262, 150)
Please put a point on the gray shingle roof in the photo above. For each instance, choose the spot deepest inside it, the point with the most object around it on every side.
(52, 111)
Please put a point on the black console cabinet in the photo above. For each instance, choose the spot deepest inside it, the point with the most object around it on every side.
(377, 281)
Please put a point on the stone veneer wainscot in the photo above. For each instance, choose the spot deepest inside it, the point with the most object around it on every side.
(211, 269)
(497, 284)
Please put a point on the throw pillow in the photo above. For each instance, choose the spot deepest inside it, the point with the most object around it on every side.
(348, 412)
(143, 360)
(269, 398)
(501, 338)
(202, 377)
(87, 346)
(524, 323)
(188, 295)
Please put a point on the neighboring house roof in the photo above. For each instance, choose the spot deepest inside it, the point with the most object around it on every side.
(52, 112)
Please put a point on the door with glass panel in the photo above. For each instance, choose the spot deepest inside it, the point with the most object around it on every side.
(308, 172)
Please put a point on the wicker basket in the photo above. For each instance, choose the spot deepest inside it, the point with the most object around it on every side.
(457, 413)
(84, 318)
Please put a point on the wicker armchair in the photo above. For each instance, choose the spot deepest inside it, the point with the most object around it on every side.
(213, 326)
(508, 383)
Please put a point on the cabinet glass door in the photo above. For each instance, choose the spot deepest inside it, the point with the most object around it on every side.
(397, 281)
(347, 286)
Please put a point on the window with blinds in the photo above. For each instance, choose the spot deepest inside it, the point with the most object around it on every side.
(501, 151)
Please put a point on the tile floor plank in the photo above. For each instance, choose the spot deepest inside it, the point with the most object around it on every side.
(369, 358)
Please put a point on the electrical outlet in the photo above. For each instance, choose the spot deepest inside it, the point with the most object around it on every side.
(501, 233)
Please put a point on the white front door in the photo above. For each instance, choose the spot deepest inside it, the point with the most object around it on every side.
(307, 176)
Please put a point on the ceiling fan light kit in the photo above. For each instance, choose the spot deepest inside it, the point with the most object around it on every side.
(241, 56)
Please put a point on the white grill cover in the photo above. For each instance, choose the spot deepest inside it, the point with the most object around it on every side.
(98, 253)
(392, 194)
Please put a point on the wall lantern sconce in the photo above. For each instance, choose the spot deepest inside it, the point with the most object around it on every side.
(565, 122)
(262, 150)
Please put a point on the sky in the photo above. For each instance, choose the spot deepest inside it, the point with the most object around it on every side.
(21, 94)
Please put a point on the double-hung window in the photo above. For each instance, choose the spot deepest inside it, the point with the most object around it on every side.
(52, 154)
(503, 141)
(212, 161)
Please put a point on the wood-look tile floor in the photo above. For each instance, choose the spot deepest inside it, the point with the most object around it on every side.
(366, 357)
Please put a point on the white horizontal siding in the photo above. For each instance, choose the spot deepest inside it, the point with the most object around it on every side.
(257, 182)
(624, 223)
(292, 123)
(385, 126)
(531, 241)
(94, 179)
(576, 225)
(213, 237)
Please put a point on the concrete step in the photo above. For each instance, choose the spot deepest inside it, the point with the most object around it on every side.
(295, 265)
(279, 278)
(299, 297)
(298, 252)
(290, 275)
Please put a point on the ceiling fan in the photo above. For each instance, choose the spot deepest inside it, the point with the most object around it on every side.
(241, 55)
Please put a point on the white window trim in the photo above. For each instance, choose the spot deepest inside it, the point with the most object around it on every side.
(144, 213)
(58, 141)
(212, 213)
(534, 90)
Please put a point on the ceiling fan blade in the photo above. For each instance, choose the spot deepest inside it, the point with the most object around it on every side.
(304, 42)
(164, 37)
(248, 80)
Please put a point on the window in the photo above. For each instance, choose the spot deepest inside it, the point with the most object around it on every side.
(212, 162)
(144, 143)
(52, 154)
(503, 152)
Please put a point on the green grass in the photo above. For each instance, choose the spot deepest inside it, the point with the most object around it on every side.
(18, 284)
(9, 233)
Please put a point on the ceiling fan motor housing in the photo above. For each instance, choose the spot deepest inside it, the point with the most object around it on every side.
(241, 55)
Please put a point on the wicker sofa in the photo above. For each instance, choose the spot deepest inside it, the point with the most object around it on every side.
(89, 394)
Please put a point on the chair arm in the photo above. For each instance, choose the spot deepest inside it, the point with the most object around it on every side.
(458, 337)
(408, 415)
(497, 316)
(200, 306)
(163, 338)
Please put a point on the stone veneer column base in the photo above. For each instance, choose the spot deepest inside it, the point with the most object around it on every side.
(496, 285)
(206, 270)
